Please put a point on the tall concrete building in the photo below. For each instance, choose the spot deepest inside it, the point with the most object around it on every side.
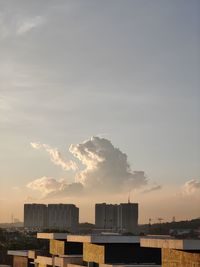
(128, 217)
(62, 216)
(122, 217)
(35, 216)
(53, 216)
(106, 216)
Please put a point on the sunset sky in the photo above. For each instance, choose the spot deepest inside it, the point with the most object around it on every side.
(99, 100)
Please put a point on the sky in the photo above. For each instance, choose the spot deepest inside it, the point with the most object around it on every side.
(99, 100)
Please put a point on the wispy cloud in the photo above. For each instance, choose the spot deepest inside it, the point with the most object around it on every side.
(191, 187)
(29, 24)
(56, 156)
(18, 25)
(153, 188)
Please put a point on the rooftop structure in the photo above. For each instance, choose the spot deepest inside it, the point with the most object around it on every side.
(111, 251)
(57, 236)
(98, 239)
(179, 244)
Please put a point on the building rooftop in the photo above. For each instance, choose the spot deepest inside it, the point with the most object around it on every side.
(103, 239)
(181, 244)
(23, 253)
(60, 261)
(57, 236)
(129, 265)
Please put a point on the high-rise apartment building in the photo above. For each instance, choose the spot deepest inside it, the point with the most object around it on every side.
(106, 216)
(52, 216)
(62, 216)
(122, 217)
(128, 217)
(35, 216)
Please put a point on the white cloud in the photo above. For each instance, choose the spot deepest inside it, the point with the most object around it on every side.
(18, 25)
(46, 185)
(106, 166)
(191, 187)
(49, 187)
(56, 156)
(106, 170)
(29, 24)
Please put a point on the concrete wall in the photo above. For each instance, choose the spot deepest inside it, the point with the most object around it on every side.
(131, 253)
(178, 258)
(19, 261)
(58, 247)
(35, 216)
(93, 253)
(120, 253)
(41, 265)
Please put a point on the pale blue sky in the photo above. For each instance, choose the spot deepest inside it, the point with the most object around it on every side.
(124, 70)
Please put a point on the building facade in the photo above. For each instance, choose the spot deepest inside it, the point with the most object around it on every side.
(122, 217)
(35, 216)
(128, 217)
(62, 216)
(52, 216)
(106, 216)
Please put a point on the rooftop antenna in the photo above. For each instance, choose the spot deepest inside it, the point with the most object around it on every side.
(129, 197)
(12, 218)
(150, 220)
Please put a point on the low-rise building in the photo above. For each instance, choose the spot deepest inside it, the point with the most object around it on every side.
(89, 250)
(175, 252)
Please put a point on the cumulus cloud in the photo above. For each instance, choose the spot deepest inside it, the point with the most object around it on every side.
(46, 185)
(29, 24)
(191, 187)
(153, 188)
(106, 166)
(56, 157)
(106, 169)
(49, 186)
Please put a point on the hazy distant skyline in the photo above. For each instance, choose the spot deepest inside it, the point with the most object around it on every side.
(124, 72)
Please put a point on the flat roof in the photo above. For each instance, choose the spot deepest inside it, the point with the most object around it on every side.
(129, 265)
(118, 265)
(58, 261)
(182, 244)
(44, 260)
(62, 236)
(23, 253)
(103, 239)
